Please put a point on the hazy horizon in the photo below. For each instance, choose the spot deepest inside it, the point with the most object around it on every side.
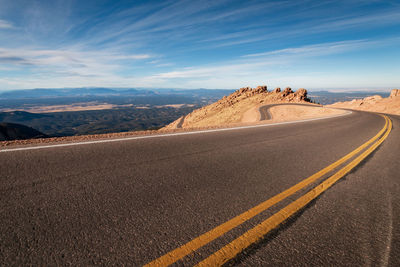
(270, 88)
(348, 45)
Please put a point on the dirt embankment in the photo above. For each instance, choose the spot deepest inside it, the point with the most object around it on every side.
(242, 107)
(376, 103)
(293, 113)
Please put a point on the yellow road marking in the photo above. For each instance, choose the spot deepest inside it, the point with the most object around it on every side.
(213, 234)
(229, 251)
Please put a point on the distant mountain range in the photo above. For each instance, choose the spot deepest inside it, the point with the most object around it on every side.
(326, 97)
(100, 91)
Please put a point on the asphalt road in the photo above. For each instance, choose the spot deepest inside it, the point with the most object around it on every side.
(130, 202)
(179, 125)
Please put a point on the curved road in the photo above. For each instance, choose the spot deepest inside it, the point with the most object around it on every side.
(130, 202)
(266, 115)
(179, 125)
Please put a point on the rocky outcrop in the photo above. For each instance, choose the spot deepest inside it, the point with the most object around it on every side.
(298, 96)
(248, 91)
(242, 93)
(395, 92)
(231, 109)
(287, 91)
(301, 95)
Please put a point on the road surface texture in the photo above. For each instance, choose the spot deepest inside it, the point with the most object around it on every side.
(131, 202)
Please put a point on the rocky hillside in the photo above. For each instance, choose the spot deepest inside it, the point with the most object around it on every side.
(240, 106)
(390, 105)
(13, 131)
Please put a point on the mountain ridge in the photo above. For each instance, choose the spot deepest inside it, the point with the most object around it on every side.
(101, 91)
(14, 131)
(236, 106)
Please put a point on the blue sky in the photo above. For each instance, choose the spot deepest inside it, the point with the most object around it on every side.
(350, 44)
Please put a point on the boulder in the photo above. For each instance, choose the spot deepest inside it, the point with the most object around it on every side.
(301, 95)
(260, 89)
(395, 92)
(287, 91)
(277, 90)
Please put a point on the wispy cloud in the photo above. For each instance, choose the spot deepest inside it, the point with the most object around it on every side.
(5, 24)
(176, 21)
(317, 49)
(63, 57)
(304, 28)
(378, 19)
(69, 66)
(267, 66)
(72, 68)
(250, 63)
(183, 43)
(134, 57)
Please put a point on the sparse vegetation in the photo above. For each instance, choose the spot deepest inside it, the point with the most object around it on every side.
(97, 121)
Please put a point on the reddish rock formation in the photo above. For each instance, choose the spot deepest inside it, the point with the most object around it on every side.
(301, 95)
(231, 108)
(287, 91)
(395, 92)
(261, 89)
(287, 95)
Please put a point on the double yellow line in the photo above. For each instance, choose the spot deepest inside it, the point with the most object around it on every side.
(229, 251)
